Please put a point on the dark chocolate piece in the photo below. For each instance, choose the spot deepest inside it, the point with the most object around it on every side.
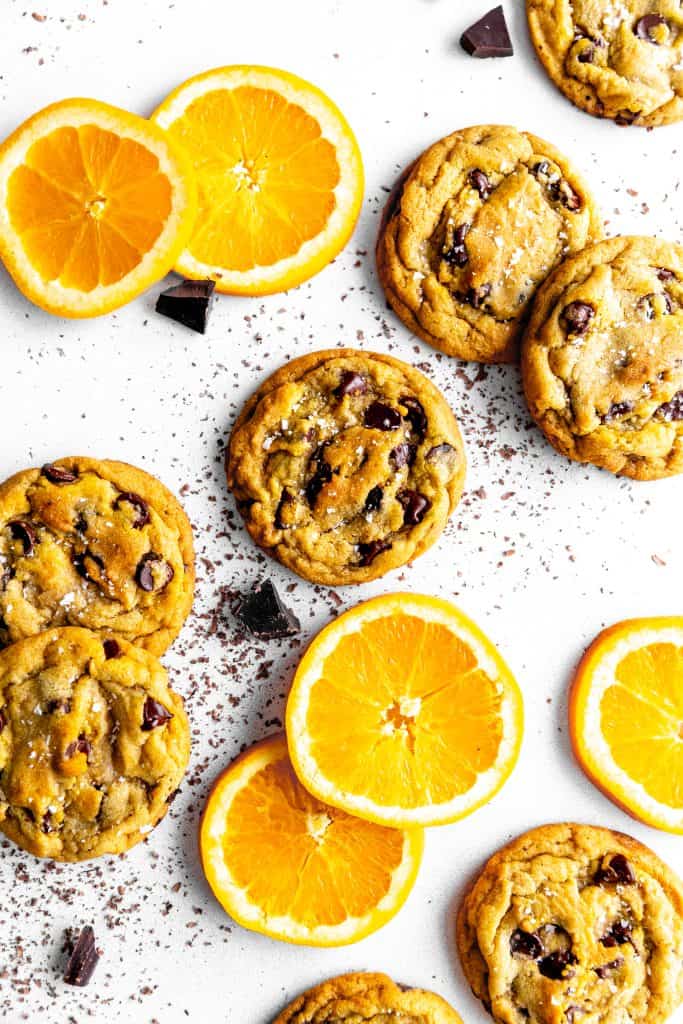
(111, 648)
(264, 615)
(145, 574)
(154, 714)
(140, 507)
(59, 474)
(188, 303)
(488, 37)
(83, 959)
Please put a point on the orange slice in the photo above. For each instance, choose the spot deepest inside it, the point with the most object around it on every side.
(626, 718)
(404, 713)
(95, 205)
(284, 864)
(280, 177)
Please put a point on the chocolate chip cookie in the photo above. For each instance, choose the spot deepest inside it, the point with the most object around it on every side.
(93, 543)
(621, 59)
(602, 359)
(345, 464)
(472, 229)
(571, 923)
(367, 999)
(93, 744)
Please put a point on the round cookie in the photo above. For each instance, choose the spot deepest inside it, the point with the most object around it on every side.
(470, 231)
(345, 464)
(602, 358)
(93, 744)
(621, 59)
(570, 923)
(367, 999)
(93, 543)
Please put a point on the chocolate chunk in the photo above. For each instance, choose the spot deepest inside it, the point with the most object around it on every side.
(88, 565)
(153, 572)
(557, 965)
(369, 552)
(415, 506)
(480, 183)
(154, 714)
(477, 296)
(617, 871)
(322, 475)
(648, 304)
(188, 303)
(79, 746)
(457, 254)
(3, 720)
(22, 531)
(59, 474)
(618, 934)
(403, 454)
(140, 507)
(604, 970)
(570, 199)
(379, 416)
(415, 415)
(83, 959)
(577, 316)
(526, 944)
(672, 410)
(374, 499)
(351, 384)
(262, 612)
(665, 275)
(111, 648)
(488, 37)
(616, 410)
(644, 27)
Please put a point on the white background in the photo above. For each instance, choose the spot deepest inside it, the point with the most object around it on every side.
(541, 552)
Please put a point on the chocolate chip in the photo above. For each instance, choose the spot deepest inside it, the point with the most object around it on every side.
(477, 296)
(403, 454)
(665, 275)
(457, 254)
(154, 714)
(79, 746)
(379, 416)
(557, 965)
(46, 824)
(577, 317)
(81, 524)
(604, 970)
(617, 871)
(616, 410)
(188, 304)
(374, 499)
(587, 55)
(351, 384)
(59, 474)
(644, 27)
(618, 934)
(3, 720)
(526, 944)
(488, 37)
(83, 959)
(480, 183)
(262, 612)
(625, 117)
(415, 506)
(369, 552)
(140, 507)
(286, 498)
(111, 648)
(672, 411)
(63, 706)
(84, 562)
(153, 572)
(570, 199)
(22, 531)
(415, 415)
(322, 475)
(441, 453)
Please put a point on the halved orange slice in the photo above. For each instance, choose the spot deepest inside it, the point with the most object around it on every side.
(626, 718)
(280, 177)
(403, 712)
(96, 204)
(286, 865)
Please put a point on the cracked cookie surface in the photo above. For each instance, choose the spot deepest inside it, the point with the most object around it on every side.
(573, 923)
(93, 744)
(367, 999)
(471, 230)
(602, 358)
(93, 543)
(345, 464)
(621, 59)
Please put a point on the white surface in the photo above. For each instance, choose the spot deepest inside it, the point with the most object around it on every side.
(136, 387)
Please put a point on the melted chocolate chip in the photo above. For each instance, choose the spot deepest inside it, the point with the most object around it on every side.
(3, 720)
(604, 970)
(264, 614)
(647, 303)
(140, 507)
(83, 959)
(577, 316)
(415, 506)
(286, 498)
(322, 474)
(618, 934)
(625, 117)
(154, 714)
(645, 26)
(379, 416)
(368, 552)
(22, 531)
(617, 871)
(81, 523)
(665, 275)
(415, 415)
(526, 944)
(565, 194)
(557, 965)
(480, 183)
(111, 648)
(79, 746)
(63, 706)
(478, 296)
(46, 824)
(351, 384)
(146, 577)
(672, 410)
(59, 474)
(587, 56)
(403, 454)
(616, 410)
(457, 254)
(374, 499)
(83, 564)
